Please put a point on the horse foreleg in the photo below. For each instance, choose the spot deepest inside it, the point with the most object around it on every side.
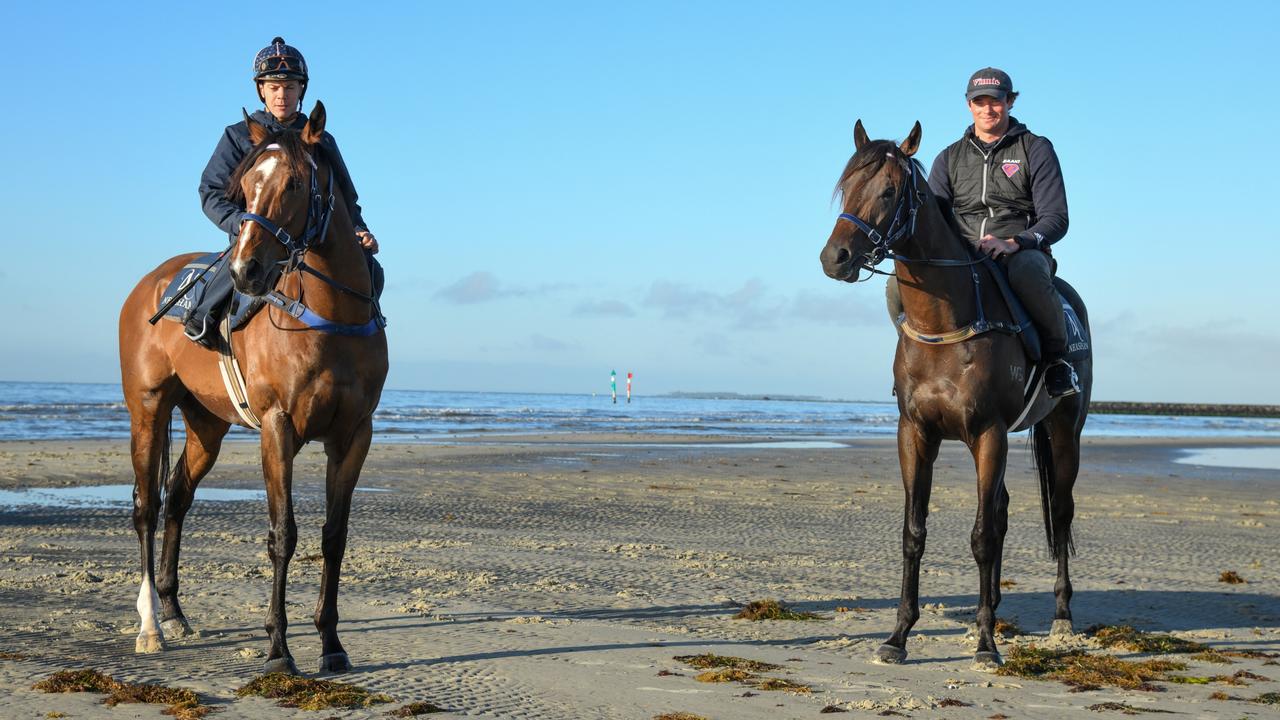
(147, 446)
(279, 446)
(916, 453)
(990, 452)
(204, 438)
(345, 462)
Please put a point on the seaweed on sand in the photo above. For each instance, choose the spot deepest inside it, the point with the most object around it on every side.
(1127, 637)
(709, 660)
(415, 709)
(1126, 709)
(773, 610)
(311, 694)
(183, 704)
(786, 685)
(1086, 672)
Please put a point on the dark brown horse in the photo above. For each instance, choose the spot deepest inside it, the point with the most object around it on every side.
(968, 384)
(303, 384)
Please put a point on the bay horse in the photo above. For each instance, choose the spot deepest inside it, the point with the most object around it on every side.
(966, 384)
(302, 383)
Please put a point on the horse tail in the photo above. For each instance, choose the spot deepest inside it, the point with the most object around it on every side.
(1042, 455)
(166, 474)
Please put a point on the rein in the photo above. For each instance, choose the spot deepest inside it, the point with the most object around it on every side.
(319, 213)
(904, 227)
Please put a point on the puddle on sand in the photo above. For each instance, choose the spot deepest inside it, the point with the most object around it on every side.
(104, 496)
(91, 496)
(1261, 458)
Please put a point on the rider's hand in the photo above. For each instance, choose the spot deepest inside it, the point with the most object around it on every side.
(367, 241)
(995, 247)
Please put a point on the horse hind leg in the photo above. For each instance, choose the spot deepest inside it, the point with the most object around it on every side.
(340, 482)
(204, 439)
(1057, 450)
(916, 454)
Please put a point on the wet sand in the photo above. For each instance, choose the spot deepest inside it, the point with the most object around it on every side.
(558, 577)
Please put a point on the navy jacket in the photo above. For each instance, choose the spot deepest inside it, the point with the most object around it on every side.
(233, 147)
(1040, 194)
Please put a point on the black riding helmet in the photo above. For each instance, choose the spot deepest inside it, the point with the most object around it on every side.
(279, 61)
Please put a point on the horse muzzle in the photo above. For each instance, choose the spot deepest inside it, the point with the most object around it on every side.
(251, 277)
(838, 263)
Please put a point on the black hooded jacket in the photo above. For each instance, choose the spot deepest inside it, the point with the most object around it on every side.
(1013, 188)
(233, 147)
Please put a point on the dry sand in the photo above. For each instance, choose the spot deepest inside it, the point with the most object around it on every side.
(559, 577)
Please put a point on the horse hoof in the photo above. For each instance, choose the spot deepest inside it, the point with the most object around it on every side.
(280, 665)
(891, 655)
(149, 642)
(177, 627)
(987, 661)
(1061, 628)
(335, 663)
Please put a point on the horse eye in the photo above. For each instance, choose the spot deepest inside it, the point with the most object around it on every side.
(292, 185)
(888, 193)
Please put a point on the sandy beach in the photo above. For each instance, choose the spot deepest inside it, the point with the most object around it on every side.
(560, 577)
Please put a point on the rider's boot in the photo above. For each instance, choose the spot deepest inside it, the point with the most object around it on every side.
(1060, 379)
(201, 322)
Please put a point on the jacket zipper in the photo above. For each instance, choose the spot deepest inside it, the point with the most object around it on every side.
(986, 170)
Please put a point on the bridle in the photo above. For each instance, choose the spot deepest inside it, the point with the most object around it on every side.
(902, 226)
(319, 213)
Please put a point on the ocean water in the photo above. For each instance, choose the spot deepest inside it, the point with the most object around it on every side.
(97, 411)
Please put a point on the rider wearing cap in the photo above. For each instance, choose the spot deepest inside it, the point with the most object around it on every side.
(1004, 186)
(280, 73)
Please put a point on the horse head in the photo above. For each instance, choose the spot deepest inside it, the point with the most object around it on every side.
(277, 184)
(873, 192)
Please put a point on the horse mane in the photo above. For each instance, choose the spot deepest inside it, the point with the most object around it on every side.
(296, 156)
(875, 152)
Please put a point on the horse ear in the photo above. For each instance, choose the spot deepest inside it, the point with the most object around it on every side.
(257, 132)
(912, 143)
(314, 129)
(859, 135)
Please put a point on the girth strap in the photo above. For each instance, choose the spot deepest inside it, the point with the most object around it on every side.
(233, 379)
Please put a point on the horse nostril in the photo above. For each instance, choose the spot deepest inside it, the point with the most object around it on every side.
(843, 256)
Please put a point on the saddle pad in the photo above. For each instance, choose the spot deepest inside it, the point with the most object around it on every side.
(196, 275)
(1077, 338)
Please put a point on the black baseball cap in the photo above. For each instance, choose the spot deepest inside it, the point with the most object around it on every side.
(989, 81)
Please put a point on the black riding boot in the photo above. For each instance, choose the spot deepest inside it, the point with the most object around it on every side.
(201, 322)
(1031, 275)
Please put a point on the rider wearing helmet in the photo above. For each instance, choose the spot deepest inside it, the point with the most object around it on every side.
(280, 73)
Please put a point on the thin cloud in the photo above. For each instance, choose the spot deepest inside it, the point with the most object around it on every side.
(477, 287)
(544, 343)
(482, 286)
(603, 308)
(754, 307)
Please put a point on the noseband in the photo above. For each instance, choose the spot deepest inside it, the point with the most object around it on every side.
(903, 225)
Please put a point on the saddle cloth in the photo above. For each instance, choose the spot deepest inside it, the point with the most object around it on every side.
(198, 273)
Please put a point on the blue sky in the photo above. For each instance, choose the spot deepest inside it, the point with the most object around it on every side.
(562, 189)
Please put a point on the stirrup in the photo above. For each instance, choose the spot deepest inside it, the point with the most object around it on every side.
(1054, 380)
(202, 337)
